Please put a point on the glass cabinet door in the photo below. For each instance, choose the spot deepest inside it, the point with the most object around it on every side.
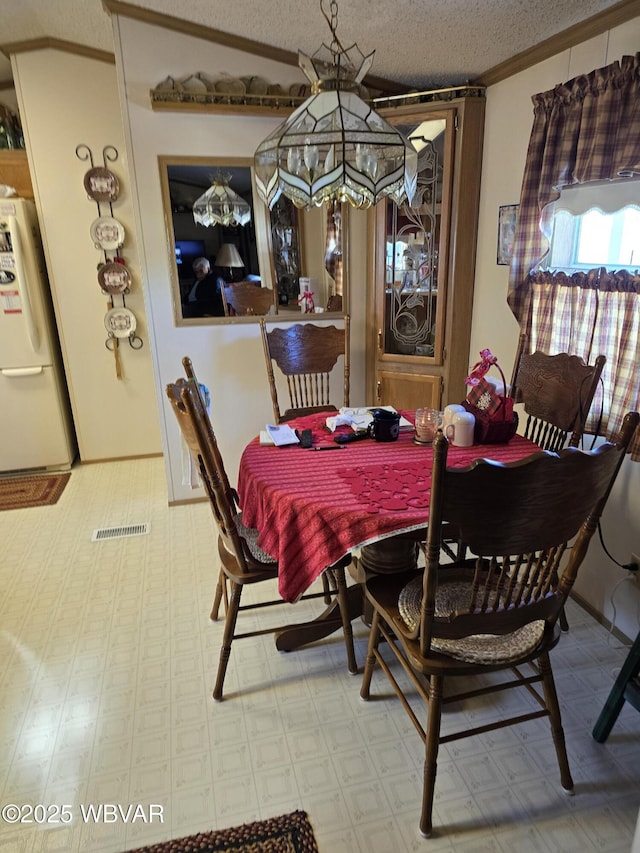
(424, 261)
(285, 246)
(415, 249)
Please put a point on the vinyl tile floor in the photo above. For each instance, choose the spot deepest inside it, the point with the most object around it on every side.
(107, 662)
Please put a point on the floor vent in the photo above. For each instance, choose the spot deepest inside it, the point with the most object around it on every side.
(120, 532)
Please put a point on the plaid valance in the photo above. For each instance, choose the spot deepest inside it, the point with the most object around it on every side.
(583, 130)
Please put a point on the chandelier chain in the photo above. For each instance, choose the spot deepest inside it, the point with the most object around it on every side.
(332, 19)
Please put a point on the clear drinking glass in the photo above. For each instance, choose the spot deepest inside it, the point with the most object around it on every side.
(427, 423)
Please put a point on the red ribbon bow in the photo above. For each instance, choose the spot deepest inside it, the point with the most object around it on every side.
(487, 359)
(306, 300)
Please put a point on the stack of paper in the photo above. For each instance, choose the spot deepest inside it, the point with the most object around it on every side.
(282, 434)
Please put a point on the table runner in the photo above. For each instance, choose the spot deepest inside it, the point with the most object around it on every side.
(312, 508)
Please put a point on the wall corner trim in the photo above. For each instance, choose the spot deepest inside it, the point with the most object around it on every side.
(46, 42)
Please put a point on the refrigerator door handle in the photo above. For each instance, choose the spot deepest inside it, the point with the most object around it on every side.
(21, 371)
(23, 285)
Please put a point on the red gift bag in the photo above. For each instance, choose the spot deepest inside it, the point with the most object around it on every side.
(496, 422)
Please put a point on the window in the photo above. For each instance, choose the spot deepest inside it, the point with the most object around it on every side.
(595, 225)
(584, 292)
(583, 157)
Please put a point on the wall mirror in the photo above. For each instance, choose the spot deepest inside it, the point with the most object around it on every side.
(284, 250)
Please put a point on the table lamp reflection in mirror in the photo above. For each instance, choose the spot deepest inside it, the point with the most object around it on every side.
(228, 259)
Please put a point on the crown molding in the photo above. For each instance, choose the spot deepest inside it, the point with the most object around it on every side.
(256, 48)
(594, 26)
(57, 44)
(616, 15)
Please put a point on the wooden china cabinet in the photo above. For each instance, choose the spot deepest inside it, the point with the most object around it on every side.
(423, 261)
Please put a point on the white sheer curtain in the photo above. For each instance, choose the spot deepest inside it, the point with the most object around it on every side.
(588, 315)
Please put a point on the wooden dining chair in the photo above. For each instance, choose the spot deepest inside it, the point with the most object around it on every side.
(222, 591)
(245, 298)
(306, 355)
(242, 560)
(334, 303)
(496, 611)
(557, 392)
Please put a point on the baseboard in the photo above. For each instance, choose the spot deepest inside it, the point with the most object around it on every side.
(602, 620)
(186, 501)
(119, 459)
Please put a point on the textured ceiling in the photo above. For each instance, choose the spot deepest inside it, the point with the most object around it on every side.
(418, 43)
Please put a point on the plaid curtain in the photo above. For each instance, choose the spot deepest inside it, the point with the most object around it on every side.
(591, 314)
(583, 130)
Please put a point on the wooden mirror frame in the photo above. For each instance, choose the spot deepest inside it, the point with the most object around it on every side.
(309, 249)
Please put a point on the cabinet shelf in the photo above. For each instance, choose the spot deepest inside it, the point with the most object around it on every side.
(14, 171)
(282, 105)
(263, 105)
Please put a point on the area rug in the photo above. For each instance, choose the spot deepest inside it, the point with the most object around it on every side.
(290, 833)
(23, 492)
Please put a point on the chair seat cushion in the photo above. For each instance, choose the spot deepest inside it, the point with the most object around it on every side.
(250, 536)
(476, 648)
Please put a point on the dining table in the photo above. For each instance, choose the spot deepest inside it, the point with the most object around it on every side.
(313, 506)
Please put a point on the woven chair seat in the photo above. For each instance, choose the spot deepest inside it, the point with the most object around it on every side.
(476, 648)
(250, 536)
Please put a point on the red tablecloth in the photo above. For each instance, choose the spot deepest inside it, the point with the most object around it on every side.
(312, 508)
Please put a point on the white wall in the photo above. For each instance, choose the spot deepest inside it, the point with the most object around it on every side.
(228, 358)
(509, 119)
(66, 100)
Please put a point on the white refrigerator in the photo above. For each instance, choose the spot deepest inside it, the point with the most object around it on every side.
(36, 428)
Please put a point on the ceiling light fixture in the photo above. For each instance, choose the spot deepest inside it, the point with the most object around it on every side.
(334, 147)
(220, 205)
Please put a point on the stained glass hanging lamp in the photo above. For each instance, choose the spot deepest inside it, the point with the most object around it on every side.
(220, 205)
(334, 147)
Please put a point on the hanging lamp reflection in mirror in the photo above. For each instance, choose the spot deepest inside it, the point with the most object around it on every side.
(334, 147)
(220, 205)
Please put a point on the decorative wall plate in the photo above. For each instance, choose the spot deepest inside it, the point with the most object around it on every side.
(230, 86)
(101, 185)
(169, 84)
(194, 85)
(255, 85)
(114, 278)
(6, 277)
(299, 90)
(120, 322)
(208, 81)
(107, 232)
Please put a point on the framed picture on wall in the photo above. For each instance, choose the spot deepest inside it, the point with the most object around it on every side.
(507, 215)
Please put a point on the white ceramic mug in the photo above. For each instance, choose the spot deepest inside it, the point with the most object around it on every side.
(448, 414)
(460, 430)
